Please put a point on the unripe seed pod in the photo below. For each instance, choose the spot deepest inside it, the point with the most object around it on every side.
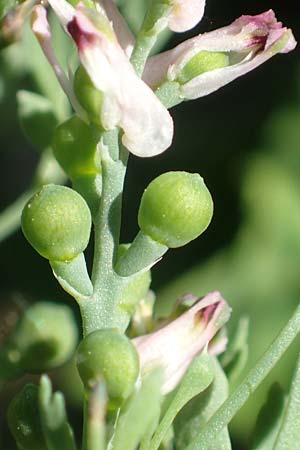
(202, 62)
(88, 96)
(175, 208)
(57, 222)
(24, 419)
(75, 148)
(109, 355)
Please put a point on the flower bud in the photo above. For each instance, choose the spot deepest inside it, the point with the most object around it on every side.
(75, 148)
(109, 355)
(175, 208)
(88, 96)
(24, 420)
(57, 222)
(45, 337)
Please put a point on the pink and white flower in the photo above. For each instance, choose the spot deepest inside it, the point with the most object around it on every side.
(249, 41)
(127, 101)
(174, 346)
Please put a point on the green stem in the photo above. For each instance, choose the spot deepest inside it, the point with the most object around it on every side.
(148, 34)
(98, 311)
(11, 216)
(241, 394)
(141, 51)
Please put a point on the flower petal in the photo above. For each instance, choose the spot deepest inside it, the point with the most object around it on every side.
(123, 33)
(41, 29)
(174, 346)
(186, 14)
(130, 103)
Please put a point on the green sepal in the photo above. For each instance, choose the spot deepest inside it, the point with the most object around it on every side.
(169, 94)
(24, 420)
(235, 358)
(198, 377)
(269, 419)
(57, 430)
(200, 409)
(37, 117)
(73, 276)
(139, 414)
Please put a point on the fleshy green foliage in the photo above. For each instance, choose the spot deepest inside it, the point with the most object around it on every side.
(75, 148)
(24, 419)
(37, 117)
(202, 62)
(139, 414)
(57, 430)
(192, 418)
(57, 222)
(198, 377)
(45, 337)
(109, 355)
(175, 208)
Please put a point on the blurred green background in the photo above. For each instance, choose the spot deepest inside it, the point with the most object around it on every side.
(245, 141)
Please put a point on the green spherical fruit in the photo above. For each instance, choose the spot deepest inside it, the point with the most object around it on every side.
(109, 355)
(75, 148)
(24, 419)
(45, 337)
(175, 208)
(57, 223)
(88, 96)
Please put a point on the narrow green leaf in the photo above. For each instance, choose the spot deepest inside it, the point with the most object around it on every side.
(192, 418)
(269, 419)
(198, 377)
(289, 432)
(57, 430)
(140, 414)
(256, 375)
